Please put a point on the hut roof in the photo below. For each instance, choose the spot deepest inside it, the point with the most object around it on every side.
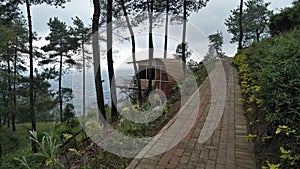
(172, 66)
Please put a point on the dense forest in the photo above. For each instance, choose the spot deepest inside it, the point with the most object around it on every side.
(39, 127)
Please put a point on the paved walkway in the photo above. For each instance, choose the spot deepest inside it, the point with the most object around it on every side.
(218, 138)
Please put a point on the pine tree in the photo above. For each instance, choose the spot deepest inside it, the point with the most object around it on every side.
(59, 48)
(82, 34)
(133, 50)
(216, 41)
(189, 6)
(31, 55)
(96, 59)
(110, 62)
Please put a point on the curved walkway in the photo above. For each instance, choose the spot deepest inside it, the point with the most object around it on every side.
(226, 146)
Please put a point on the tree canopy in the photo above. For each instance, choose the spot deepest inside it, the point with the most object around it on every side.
(179, 48)
(255, 20)
(286, 20)
(216, 41)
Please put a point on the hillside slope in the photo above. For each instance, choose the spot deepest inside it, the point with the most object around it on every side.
(270, 79)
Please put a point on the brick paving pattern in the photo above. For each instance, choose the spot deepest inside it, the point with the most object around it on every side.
(218, 138)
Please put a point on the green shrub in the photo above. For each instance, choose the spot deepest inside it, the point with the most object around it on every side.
(269, 73)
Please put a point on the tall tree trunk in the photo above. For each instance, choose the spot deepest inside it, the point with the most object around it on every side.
(14, 92)
(59, 88)
(258, 34)
(183, 58)
(151, 47)
(8, 119)
(166, 29)
(31, 87)
(0, 149)
(4, 100)
(5, 105)
(83, 79)
(4, 119)
(83, 86)
(137, 75)
(241, 25)
(9, 96)
(2, 116)
(110, 63)
(96, 59)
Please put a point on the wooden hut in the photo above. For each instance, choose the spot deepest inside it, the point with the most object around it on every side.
(165, 73)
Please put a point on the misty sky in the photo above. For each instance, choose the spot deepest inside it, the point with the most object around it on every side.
(207, 21)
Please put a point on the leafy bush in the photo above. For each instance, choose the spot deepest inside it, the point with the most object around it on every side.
(69, 112)
(200, 73)
(269, 74)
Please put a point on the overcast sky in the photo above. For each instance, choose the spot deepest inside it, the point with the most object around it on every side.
(207, 21)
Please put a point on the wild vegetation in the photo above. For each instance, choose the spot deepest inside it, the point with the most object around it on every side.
(270, 83)
(26, 95)
(65, 145)
(268, 70)
(286, 20)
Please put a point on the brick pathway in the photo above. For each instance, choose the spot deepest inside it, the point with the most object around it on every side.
(218, 138)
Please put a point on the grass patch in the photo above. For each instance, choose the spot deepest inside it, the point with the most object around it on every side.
(17, 143)
(13, 141)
